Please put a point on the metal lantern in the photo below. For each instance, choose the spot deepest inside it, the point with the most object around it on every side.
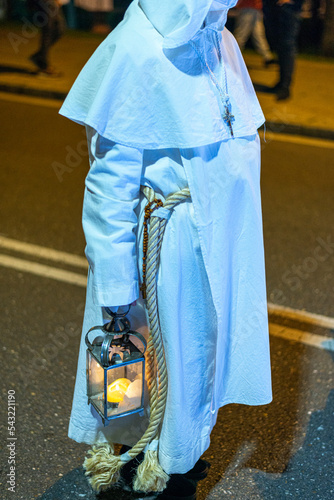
(116, 369)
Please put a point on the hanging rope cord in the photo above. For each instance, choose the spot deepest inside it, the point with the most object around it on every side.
(157, 385)
(100, 464)
(156, 371)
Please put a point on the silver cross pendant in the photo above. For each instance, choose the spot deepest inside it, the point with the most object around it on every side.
(228, 118)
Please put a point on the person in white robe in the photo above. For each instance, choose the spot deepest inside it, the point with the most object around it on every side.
(167, 103)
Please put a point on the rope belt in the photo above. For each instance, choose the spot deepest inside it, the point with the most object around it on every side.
(158, 215)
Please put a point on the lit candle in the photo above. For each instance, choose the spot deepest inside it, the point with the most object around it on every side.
(117, 389)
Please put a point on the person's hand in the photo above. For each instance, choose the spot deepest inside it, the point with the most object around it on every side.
(115, 308)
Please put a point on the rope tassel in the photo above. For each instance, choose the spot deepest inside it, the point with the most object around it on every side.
(150, 475)
(102, 466)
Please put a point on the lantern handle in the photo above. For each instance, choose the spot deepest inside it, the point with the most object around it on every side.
(88, 343)
(112, 334)
(107, 343)
(105, 349)
(140, 337)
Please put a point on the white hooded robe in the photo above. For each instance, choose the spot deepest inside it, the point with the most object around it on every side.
(153, 117)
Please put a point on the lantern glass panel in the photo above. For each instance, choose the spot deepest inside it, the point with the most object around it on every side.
(124, 388)
(95, 381)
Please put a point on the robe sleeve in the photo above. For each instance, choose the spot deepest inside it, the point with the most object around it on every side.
(109, 221)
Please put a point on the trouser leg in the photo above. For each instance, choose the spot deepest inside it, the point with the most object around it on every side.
(270, 23)
(51, 30)
(244, 26)
(259, 38)
(289, 22)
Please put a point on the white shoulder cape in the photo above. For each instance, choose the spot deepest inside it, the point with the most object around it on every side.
(146, 87)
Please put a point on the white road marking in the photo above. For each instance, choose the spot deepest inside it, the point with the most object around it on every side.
(43, 252)
(311, 339)
(242, 455)
(35, 101)
(46, 271)
(298, 139)
(43, 270)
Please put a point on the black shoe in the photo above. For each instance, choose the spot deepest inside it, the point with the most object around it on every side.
(199, 471)
(182, 484)
(41, 65)
(276, 87)
(178, 488)
(128, 471)
(269, 62)
(273, 90)
(50, 72)
(282, 94)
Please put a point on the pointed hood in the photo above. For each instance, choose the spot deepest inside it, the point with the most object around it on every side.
(178, 21)
(146, 87)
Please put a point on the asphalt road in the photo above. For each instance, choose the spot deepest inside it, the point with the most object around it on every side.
(281, 450)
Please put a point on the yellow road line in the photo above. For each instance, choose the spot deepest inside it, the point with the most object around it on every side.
(301, 316)
(310, 339)
(297, 139)
(35, 101)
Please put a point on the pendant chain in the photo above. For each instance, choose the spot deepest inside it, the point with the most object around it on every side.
(223, 94)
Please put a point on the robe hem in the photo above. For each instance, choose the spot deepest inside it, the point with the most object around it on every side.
(88, 436)
(225, 402)
(176, 463)
(93, 437)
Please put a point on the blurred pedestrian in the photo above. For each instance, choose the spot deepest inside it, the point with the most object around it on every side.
(99, 10)
(249, 23)
(52, 24)
(282, 23)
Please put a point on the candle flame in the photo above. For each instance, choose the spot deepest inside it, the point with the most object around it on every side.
(117, 389)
